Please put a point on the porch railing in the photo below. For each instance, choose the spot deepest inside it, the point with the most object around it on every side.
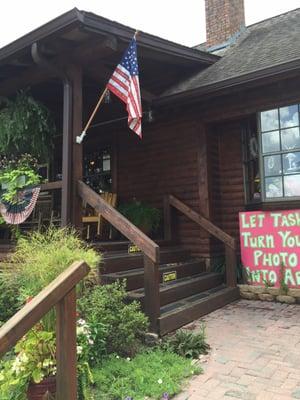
(62, 294)
(208, 226)
(150, 249)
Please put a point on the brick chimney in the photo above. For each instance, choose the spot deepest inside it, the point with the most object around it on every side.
(224, 18)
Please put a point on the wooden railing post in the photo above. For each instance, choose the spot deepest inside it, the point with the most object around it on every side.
(231, 265)
(167, 219)
(152, 297)
(66, 377)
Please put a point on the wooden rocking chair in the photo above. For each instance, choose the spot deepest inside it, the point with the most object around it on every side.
(111, 199)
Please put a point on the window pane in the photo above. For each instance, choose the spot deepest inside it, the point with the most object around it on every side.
(292, 185)
(270, 142)
(273, 187)
(291, 162)
(290, 138)
(289, 116)
(269, 120)
(272, 165)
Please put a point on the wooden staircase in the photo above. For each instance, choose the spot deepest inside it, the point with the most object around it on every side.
(191, 295)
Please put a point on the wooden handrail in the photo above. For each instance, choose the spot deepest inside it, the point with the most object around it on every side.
(62, 294)
(203, 222)
(229, 241)
(144, 243)
(134, 234)
(51, 185)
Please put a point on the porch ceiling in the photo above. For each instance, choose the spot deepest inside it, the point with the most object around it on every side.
(96, 43)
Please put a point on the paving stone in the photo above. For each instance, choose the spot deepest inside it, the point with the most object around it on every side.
(296, 394)
(255, 353)
(240, 395)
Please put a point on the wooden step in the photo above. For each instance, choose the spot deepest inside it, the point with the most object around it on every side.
(119, 261)
(177, 314)
(122, 245)
(135, 277)
(181, 288)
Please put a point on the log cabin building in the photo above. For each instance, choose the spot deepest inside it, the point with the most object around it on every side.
(220, 135)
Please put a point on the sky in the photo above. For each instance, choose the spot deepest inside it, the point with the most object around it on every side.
(176, 20)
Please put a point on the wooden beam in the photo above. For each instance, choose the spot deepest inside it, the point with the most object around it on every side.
(51, 185)
(77, 152)
(66, 154)
(134, 234)
(203, 222)
(15, 328)
(81, 54)
(152, 295)
(66, 352)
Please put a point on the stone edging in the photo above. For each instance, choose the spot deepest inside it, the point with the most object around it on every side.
(250, 292)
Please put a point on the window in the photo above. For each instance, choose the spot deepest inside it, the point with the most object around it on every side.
(97, 170)
(279, 133)
(251, 161)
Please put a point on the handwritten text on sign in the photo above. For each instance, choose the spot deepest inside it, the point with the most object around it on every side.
(268, 241)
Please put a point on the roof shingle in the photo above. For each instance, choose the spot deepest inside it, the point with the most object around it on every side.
(263, 45)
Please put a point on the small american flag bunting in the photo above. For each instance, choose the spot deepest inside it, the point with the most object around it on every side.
(124, 83)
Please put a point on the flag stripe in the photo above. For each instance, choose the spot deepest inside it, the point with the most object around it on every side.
(124, 83)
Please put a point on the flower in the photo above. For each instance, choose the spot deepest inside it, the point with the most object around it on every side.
(128, 358)
(159, 381)
(79, 349)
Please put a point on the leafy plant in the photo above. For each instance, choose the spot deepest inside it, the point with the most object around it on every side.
(116, 327)
(147, 376)
(268, 283)
(143, 216)
(34, 360)
(26, 126)
(9, 297)
(219, 265)
(16, 174)
(187, 344)
(283, 286)
(41, 256)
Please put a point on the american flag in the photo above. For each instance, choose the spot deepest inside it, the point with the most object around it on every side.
(16, 213)
(124, 83)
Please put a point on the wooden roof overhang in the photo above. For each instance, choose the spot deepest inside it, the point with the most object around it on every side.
(232, 85)
(97, 44)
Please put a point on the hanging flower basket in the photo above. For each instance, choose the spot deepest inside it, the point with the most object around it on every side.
(19, 188)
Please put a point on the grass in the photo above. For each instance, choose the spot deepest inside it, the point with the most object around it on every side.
(147, 376)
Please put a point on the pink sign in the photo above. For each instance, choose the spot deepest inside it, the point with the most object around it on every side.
(270, 247)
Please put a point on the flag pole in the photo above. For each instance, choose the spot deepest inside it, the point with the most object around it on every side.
(80, 138)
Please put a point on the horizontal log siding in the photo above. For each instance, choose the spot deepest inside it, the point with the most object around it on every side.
(227, 178)
(163, 162)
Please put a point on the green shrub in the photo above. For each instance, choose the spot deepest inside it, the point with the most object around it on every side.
(187, 344)
(9, 298)
(147, 376)
(116, 327)
(40, 257)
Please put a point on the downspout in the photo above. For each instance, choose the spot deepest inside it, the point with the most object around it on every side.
(67, 132)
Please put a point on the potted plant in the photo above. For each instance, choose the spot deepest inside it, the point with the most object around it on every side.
(26, 126)
(30, 371)
(145, 217)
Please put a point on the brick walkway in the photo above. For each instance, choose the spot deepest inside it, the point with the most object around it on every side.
(255, 353)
